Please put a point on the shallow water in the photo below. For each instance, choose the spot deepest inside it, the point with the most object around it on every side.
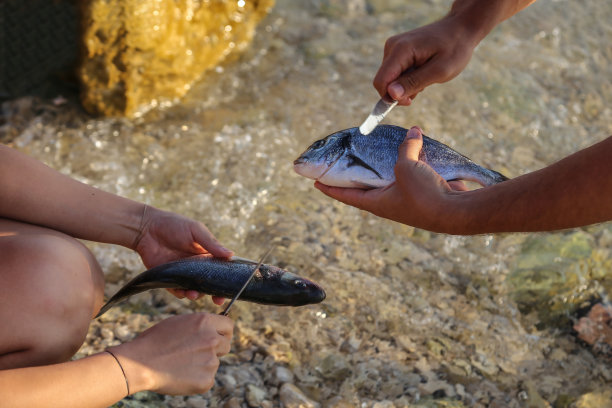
(410, 314)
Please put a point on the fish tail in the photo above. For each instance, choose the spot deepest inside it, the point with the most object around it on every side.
(494, 177)
(105, 308)
(132, 289)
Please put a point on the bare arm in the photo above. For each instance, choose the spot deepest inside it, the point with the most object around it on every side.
(157, 360)
(34, 193)
(573, 192)
(438, 52)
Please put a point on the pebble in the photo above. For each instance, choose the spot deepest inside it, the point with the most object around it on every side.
(196, 401)
(254, 396)
(282, 375)
(292, 397)
(123, 333)
(227, 382)
(233, 402)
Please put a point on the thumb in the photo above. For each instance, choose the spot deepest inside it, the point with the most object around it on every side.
(410, 83)
(412, 145)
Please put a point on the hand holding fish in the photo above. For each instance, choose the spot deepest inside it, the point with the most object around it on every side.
(570, 193)
(417, 197)
(159, 360)
(165, 237)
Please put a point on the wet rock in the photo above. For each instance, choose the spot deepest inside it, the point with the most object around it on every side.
(107, 333)
(334, 367)
(233, 402)
(383, 404)
(350, 345)
(142, 53)
(599, 398)
(556, 275)
(280, 375)
(437, 388)
(595, 327)
(227, 382)
(196, 402)
(123, 333)
(254, 395)
(292, 397)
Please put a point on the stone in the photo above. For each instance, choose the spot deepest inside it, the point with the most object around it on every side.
(334, 367)
(292, 397)
(138, 54)
(196, 401)
(123, 333)
(282, 374)
(254, 395)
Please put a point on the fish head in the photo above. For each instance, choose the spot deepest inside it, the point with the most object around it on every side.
(322, 155)
(348, 159)
(291, 289)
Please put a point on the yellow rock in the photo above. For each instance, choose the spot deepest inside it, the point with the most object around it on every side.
(139, 53)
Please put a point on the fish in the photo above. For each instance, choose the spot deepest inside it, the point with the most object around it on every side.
(350, 159)
(271, 285)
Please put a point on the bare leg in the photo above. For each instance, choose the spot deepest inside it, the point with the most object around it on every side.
(51, 288)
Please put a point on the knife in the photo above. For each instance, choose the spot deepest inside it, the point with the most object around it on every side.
(380, 110)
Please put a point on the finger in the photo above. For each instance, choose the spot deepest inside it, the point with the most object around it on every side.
(351, 196)
(179, 293)
(224, 346)
(223, 324)
(457, 185)
(217, 300)
(193, 294)
(412, 145)
(208, 241)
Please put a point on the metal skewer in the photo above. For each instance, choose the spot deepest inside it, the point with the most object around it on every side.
(226, 311)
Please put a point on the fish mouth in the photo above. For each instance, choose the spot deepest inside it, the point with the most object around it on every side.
(299, 160)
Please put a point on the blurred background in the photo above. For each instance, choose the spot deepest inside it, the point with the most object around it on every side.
(200, 107)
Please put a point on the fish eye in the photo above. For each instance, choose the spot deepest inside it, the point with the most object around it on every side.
(300, 284)
(319, 144)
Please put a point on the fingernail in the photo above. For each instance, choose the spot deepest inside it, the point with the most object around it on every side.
(396, 90)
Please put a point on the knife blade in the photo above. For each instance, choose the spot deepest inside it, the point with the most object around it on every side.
(381, 109)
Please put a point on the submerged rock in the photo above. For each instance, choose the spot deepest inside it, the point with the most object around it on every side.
(595, 328)
(555, 275)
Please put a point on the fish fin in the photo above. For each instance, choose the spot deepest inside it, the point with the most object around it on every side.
(362, 185)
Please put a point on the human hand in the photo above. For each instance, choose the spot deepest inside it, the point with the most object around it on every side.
(419, 196)
(160, 360)
(434, 53)
(166, 236)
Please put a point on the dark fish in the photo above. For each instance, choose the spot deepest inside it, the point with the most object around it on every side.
(350, 159)
(218, 277)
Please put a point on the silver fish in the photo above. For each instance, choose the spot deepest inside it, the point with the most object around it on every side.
(350, 159)
(219, 277)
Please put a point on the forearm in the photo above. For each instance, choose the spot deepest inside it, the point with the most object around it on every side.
(479, 17)
(573, 192)
(34, 193)
(95, 381)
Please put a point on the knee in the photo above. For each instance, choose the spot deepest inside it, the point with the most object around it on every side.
(60, 287)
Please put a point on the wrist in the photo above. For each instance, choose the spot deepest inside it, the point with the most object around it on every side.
(454, 214)
(138, 377)
(475, 19)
